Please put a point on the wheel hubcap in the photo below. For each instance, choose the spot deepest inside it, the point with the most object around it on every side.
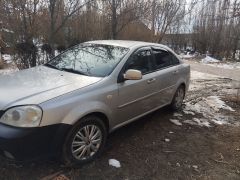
(179, 97)
(86, 142)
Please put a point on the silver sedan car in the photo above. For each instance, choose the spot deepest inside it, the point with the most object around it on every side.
(68, 106)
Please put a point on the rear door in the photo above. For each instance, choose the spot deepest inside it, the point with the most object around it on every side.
(166, 67)
(136, 96)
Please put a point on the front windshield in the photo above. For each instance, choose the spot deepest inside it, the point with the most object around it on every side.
(89, 59)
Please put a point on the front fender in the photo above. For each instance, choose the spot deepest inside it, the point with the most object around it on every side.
(84, 109)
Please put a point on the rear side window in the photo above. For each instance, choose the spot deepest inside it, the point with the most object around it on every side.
(164, 59)
(175, 60)
(140, 61)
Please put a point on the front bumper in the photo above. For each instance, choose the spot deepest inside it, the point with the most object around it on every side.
(28, 143)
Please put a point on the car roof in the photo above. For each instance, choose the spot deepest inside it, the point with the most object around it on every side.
(126, 43)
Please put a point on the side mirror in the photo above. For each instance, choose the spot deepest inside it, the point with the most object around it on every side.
(133, 74)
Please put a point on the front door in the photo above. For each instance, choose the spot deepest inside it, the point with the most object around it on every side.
(136, 96)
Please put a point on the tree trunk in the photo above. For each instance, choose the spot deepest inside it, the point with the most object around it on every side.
(114, 19)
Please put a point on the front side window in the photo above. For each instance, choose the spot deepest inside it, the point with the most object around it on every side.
(89, 59)
(140, 61)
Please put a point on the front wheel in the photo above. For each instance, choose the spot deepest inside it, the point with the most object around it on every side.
(85, 141)
(178, 98)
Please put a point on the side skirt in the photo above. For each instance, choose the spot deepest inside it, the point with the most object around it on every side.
(136, 118)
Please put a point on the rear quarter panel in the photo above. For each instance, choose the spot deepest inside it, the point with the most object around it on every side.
(184, 76)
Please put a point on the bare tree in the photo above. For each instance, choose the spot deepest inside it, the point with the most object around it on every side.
(122, 12)
(21, 16)
(217, 28)
(60, 12)
(167, 14)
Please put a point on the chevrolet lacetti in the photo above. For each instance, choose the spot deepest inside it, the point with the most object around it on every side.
(68, 106)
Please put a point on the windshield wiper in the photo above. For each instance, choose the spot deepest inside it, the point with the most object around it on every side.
(74, 71)
(51, 66)
(66, 69)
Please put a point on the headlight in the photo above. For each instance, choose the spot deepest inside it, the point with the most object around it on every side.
(22, 116)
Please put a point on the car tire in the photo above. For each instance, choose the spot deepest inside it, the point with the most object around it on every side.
(178, 98)
(85, 141)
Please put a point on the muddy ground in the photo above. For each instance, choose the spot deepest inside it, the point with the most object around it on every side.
(194, 152)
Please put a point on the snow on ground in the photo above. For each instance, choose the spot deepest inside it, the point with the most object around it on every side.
(199, 75)
(7, 58)
(195, 75)
(176, 122)
(7, 30)
(187, 56)
(177, 114)
(198, 122)
(209, 59)
(216, 103)
(167, 140)
(114, 163)
(216, 63)
(210, 108)
(204, 110)
(228, 65)
(7, 71)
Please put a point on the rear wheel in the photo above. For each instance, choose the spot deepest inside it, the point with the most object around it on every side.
(178, 98)
(85, 141)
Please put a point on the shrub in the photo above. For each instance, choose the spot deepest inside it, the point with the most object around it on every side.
(26, 55)
(61, 48)
(46, 48)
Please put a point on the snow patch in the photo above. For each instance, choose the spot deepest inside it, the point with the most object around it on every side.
(195, 86)
(176, 122)
(220, 119)
(210, 104)
(209, 107)
(199, 122)
(7, 58)
(115, 163)
(198, 75)
(226, 65)
(216, 103)
(167, 140)
(177, 114)
(7, 71)
(7, 30)
(188, 112)
(187, 56)
(209, 59)
(195, 166)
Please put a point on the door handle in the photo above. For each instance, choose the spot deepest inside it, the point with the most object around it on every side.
(151, 80)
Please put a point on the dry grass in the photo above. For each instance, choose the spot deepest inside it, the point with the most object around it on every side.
(233, 98)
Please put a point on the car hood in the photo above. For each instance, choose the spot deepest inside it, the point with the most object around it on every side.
(39, 84)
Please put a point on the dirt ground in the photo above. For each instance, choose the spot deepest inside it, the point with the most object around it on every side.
(229, 73)
(193, 152)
